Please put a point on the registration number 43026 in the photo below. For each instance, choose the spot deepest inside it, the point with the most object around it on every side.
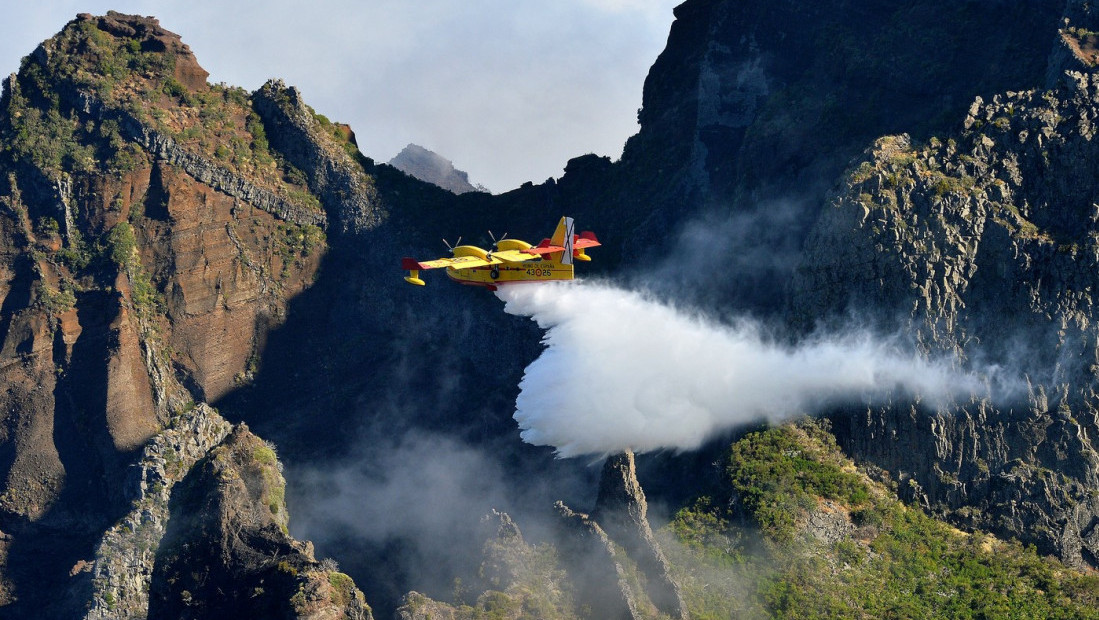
(538, 272)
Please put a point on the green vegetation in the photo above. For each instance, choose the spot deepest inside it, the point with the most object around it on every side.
(298, 601)
(902, 159)
(340, 133)
(294, 243)
(264, 455)
(47, 226)
(305, 198)
(516, 580)
(894, 561)
(1019, 224)
(942, 184)
(50, 133)
(69, 117)
(112, 60)
(703, 528)
(259, 145)
(276, 501)
(49, 130)
(42, 133)
(122, 245)
(1081, 33)
(173, 88)
(343, 588)
(121, 248)
(862, 173)
(262, 460)
(56, 301)
(776, 491)
(795, 530)
(520, 577)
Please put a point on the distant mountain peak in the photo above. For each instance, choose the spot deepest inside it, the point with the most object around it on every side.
(433, 168)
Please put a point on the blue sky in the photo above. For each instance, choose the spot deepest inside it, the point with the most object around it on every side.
(507, 89)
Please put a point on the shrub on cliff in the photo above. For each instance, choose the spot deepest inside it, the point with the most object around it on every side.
(887, 560)
(777, 473)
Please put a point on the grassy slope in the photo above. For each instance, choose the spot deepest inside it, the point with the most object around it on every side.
(752, 552)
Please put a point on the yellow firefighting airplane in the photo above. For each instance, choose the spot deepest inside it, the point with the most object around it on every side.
(511, 260)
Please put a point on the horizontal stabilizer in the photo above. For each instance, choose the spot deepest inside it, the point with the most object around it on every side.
(546, 247)
(586, 240)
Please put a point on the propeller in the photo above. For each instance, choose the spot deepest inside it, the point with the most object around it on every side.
(451, 247)
(496, 241)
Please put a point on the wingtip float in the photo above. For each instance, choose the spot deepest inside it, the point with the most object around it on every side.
(511, 260)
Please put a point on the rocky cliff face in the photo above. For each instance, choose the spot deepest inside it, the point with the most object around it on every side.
(622, 511)
(151, 240)
(325, 153)
(982, 244)
(227, 554)
(122, 571)
(973, 230)
(754, 109)
(619, 568)
(974, 236)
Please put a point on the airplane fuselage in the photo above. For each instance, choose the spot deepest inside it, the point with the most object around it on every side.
(530, 271)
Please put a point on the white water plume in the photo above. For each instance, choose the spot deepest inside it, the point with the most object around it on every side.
(624, 371)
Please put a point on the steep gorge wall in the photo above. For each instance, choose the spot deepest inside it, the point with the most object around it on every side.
(753, 110)
(979, 240)
(983, 245)
(213, 260)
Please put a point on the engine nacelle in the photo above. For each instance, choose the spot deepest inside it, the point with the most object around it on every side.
(512, 244)
(470, 250)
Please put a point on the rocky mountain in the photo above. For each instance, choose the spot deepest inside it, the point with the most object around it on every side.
(429, 166)
(982, 244)
(152, 240)
(970, 231)
(168, 246)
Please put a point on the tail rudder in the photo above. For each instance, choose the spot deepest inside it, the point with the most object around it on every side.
(563, 236)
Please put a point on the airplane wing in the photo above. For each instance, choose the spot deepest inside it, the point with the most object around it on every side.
(458, 262)
(514, 256)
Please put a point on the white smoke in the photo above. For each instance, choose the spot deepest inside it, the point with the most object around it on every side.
(625, 371)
